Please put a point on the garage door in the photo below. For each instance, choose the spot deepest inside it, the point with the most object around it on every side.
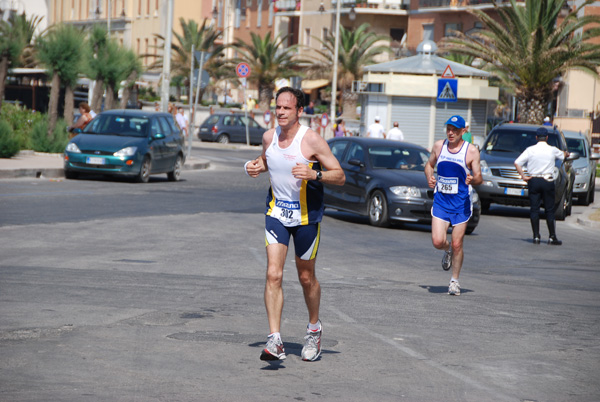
(412, 115)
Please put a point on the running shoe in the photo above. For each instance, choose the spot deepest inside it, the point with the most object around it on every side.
(273, 350)
(447, 260)
(312, 345)
(454, 288)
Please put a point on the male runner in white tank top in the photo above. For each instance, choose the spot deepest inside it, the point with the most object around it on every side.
(458, 168)
(293, 155)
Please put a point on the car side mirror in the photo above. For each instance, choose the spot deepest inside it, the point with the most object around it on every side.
(158, 136)
(77, 131)
(595, 157)
(572, 156)
(356, 162)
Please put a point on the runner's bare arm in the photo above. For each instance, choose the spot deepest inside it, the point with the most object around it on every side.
(314, 145)
(259, 165)
(430, 165)
(475, 166)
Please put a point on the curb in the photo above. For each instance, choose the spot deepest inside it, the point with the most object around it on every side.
(39, 173)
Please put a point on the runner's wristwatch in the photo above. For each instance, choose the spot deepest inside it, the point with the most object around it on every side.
(319, 175)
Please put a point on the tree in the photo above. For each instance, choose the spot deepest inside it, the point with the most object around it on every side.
(133, 68)
(15, 34)
(358, 48)
(203, 37)
(269, 60)
(528, 49)
(98, 60)
(61, 52)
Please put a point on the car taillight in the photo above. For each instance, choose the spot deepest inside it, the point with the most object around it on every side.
(215, 129)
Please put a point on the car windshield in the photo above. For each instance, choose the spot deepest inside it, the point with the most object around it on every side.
(577, 145)
(118, 125)
(515, 142)
(398, 158)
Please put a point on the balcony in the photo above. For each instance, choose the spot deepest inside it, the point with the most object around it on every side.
(459, 3)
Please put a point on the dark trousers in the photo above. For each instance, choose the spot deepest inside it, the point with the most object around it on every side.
(541, 189)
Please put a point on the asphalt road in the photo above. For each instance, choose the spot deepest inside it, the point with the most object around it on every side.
(114, 291)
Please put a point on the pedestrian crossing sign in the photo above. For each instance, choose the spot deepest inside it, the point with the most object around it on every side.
(447, 90)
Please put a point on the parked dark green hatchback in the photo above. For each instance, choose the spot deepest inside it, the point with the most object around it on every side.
(131, 143)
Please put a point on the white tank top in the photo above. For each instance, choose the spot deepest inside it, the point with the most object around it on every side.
(289, 195)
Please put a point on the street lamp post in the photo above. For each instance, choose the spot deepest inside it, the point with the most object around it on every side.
(335, 62)
(166, 70)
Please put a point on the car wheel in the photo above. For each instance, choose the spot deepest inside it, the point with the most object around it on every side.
(592, 191)
(561, 209)
(378, 210)
(569, 206)
(470, 229)
(144, 174)
(175, 174)
(71, 175)
(589, 196)
(223, 139)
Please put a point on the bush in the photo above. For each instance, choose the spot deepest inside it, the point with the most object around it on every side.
(56, 143)
(21, 121)
(9, 145)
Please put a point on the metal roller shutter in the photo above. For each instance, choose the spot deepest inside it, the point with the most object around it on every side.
(412, 115)
(478, 116)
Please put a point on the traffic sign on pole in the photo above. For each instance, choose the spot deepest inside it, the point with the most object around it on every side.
(447, 90)
(242, 70)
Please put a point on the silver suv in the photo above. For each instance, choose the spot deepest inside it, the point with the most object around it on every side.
(585, 167)
(501, 181)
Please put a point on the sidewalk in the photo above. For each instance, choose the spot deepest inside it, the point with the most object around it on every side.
(36, 164)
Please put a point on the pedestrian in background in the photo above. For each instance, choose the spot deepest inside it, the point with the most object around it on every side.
(467, 135)
(376, 130)
(539, 160)
(395, 133)
(340, 128)
(182, 121)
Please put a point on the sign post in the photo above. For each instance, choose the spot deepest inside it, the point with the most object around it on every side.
(243, 71)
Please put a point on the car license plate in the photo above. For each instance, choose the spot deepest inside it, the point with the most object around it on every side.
(95, 161)
(513, 191)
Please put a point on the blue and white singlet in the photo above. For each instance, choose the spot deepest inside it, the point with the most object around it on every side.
(452, 194)
(292, 201)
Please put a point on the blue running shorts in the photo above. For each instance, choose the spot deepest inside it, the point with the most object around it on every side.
(306, 237)
(454, 218)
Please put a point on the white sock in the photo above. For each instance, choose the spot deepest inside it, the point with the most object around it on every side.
(314, 327)
(275, 335)
(454, 280)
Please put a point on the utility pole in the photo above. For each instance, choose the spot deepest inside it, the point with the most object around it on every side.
(166, 71)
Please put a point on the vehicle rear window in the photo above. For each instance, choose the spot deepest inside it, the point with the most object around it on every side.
(118, 125)
(515, 142)
(211, 120)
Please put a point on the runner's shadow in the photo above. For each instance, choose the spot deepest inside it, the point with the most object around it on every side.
(442, 289)
(291, 349)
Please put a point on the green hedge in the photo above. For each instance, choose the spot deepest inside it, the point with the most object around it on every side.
(9, 145)
(56, 143)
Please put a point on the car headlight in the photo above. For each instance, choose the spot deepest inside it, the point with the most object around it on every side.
(406, 191)
(485, 170)
(72, 147)
(582, 171)
(129, 151)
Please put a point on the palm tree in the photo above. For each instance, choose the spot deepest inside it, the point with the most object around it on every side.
(132, 69)
(528, 49)
(15, 34)
(98, 60)
(203, 37)
(61, 51)
(269, 60)
(358, 48)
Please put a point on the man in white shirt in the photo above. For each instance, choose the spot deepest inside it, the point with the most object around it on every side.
(182, 121)
(376, 130)
(395, 133)
(540, 159)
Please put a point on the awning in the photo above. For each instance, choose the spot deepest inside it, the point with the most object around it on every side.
(309, 85)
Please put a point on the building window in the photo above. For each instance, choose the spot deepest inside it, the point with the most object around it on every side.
(139, 7)
(427, 31)
(155, 50)
(146, 58)
(450, 28)
(307, 37)
(148, 8)
(259, 8)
